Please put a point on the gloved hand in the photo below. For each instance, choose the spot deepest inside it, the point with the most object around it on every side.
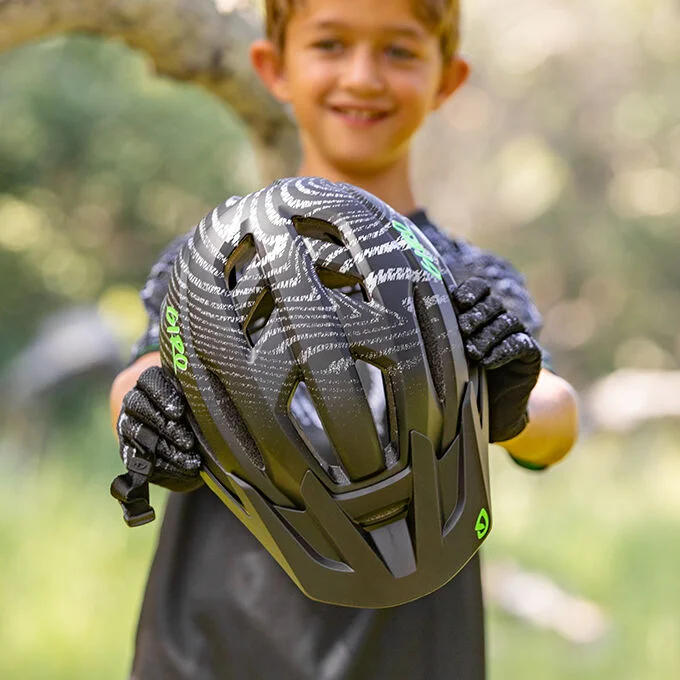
(499, 342)
(156, 444)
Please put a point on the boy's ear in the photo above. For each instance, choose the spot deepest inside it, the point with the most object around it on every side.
(268, 64)
(454, 75)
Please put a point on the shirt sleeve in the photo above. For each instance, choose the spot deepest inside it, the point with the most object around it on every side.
(510, 286)
(465, 261)
(153, 293)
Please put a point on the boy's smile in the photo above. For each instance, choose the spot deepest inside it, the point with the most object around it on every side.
(358, 116)
(361, 76)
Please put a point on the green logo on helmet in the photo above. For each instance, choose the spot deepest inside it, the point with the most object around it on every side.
(427, 262)
(179, 359)
(482, 526)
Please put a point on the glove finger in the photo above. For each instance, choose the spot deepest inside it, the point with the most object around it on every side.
(469, 293)
(184, 463)
(126, 427)
(179, 434)
(473, 354)
(127, 451)
(137, 405)
(480, 315)
(161, 390)
(176, 482)
(520, 347)
(494, 333)
(135, 433)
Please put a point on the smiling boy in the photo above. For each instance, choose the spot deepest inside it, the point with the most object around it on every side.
(361, 76)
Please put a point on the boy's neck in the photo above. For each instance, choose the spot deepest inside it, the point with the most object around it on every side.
(392, 185)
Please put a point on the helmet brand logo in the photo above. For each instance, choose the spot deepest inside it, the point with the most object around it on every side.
(482, 526)
(426, 260)
(179, 359)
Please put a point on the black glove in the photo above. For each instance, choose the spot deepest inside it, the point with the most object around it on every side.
(501, 344)
(156, 444)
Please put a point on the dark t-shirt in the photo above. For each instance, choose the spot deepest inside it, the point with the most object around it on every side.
(218, 607)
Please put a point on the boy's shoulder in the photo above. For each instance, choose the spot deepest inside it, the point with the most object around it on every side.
(156, 284)
(153, 293)
(466, 260)
(465, 256)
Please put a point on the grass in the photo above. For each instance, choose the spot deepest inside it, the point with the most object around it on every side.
(72, 573)
(603, 525)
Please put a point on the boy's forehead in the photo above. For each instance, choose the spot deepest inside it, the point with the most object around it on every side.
(394, 16)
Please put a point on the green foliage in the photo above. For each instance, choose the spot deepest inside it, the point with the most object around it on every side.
(103, 164)
(601, 524)
(72, 573)
(563, 153)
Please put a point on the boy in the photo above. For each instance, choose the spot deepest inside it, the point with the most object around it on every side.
(361, 77)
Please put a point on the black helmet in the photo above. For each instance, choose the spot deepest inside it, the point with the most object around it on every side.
(310, 328)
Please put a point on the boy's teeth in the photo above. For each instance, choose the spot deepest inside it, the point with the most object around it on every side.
(363, 115)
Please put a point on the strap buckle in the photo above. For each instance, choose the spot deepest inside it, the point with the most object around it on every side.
(131, 490)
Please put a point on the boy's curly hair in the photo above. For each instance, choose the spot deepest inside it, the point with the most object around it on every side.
(442, 16)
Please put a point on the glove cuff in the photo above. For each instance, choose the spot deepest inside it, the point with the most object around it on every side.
(511, 428)
(527, 465)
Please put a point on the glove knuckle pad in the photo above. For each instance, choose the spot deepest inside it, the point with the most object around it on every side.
(470, 292)
(162, 392)
(480, 315)
(179, 434)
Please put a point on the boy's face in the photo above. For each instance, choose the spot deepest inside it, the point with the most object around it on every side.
(361, 76)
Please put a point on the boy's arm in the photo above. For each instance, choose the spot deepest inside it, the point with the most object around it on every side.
(553, 424)
(553, 412)
(148, 415)
(532, 412)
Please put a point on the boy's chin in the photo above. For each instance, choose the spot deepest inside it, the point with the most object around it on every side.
(361, 164)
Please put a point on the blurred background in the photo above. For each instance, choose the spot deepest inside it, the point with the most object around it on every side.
(562, 154)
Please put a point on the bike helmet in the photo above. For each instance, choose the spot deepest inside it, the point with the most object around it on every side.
(311, 330)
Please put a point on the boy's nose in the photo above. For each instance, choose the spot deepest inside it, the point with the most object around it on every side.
(362, 74)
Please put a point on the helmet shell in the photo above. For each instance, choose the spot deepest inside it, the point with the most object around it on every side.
(311, 330)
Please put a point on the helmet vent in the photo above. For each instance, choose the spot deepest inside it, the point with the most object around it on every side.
(239, 260)
(347, 284)
(429, 334)
(310, 427)
(378, 397)
(334, 263)
(312, 227)
(259, 316)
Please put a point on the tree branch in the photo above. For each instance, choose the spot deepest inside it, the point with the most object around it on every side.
(188, 40)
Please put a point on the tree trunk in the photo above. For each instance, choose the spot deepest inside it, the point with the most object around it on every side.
(202, 41)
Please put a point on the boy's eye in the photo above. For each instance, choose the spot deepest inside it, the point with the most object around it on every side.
(400, 52)
(328, 45)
